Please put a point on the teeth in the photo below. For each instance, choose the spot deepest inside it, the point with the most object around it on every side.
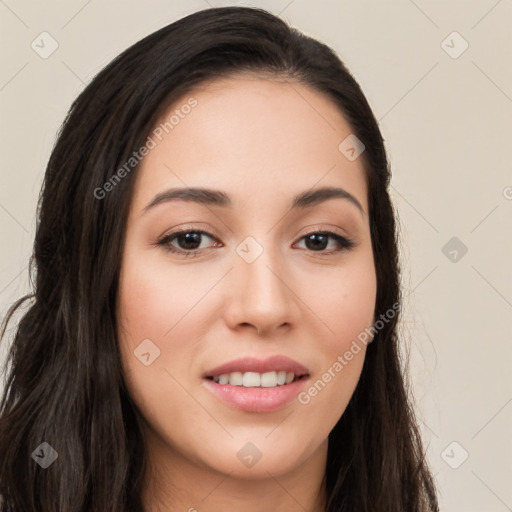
(251, 380)
(254, 379)
(269, 380)
(224, 379)
(235, 378)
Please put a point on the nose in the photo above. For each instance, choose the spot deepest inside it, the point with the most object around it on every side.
(261, 296)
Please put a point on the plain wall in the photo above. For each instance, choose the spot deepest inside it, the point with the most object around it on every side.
(446, 121)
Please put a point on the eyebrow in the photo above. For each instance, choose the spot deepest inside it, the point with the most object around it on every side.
(212, 197)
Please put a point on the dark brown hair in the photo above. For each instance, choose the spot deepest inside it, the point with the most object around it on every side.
(65, 385)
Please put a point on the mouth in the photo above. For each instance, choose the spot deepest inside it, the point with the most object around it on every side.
(255, 385)
(250, 372)
(257, 380)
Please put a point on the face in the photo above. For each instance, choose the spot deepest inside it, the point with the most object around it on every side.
(255, 279)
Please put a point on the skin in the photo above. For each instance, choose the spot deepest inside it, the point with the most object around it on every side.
(262, 141)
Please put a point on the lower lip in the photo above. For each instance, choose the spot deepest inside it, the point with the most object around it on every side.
(257, 399)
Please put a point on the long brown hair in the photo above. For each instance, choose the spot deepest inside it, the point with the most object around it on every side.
(65, 385)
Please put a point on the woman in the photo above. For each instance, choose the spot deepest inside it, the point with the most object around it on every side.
(213, 325)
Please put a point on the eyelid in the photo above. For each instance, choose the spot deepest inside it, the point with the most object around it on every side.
(316, 228)
(203, 229)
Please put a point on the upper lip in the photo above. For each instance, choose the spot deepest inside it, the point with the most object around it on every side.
(251, 364)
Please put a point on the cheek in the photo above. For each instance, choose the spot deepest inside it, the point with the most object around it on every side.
(160, 312)
(344, 304)
(154, 300)
(347, 308)
(152, 311)
(356, 305)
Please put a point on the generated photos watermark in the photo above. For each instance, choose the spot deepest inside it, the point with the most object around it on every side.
(156, 136)
(363, 338)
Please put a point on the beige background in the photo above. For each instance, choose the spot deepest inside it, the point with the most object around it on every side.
(447, 126)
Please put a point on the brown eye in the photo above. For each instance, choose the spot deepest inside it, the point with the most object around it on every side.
(188, 241)
(318, 241)
(184, 242)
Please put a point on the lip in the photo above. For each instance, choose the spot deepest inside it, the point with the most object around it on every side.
(251, 364)
(256, 399)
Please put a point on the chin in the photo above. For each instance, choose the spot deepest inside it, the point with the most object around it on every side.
(248, 460)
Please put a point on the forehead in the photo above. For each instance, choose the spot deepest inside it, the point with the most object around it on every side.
(248, 134)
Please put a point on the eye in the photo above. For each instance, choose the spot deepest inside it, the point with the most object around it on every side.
(188, 241)
(317, 241)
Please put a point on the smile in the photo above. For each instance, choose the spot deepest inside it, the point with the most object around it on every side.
(255, 379)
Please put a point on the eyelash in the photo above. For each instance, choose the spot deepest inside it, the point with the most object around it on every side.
(344, 244)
